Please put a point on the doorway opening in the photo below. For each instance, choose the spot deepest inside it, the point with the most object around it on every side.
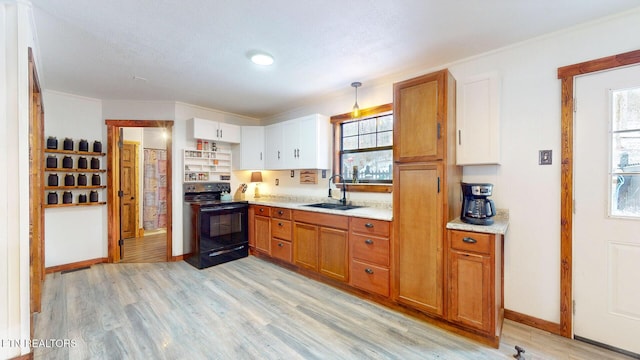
(139, 192)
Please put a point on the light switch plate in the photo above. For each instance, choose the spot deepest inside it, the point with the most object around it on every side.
(544, 157)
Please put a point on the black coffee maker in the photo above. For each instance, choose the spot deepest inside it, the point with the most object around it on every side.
(476, 208)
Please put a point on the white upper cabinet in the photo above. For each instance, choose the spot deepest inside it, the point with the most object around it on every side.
(214, 131)
(273, 147)
(250, 153)
(478, 120)
(302, 143)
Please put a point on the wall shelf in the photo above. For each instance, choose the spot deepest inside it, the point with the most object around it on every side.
(75, 187)
(75, 204)
(75, 170)
(204, 166)
(73, 152)
(80, 190)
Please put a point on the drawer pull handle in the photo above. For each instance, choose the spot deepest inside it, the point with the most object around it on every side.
(368, 225)
(368, 271)
(368, 241)
(469, 240)
(280, 244)
(280, 212)
(261, 210)
(280, 224)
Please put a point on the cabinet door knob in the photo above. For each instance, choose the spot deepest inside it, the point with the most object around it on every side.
(368, 225)
(279, 224)
(368, 241)
(261, 209)
(280, 244)
(368, 271)
(469, 240)
(280, 212)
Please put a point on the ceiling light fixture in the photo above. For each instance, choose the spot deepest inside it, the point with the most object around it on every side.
(261, 58)
(355, 113)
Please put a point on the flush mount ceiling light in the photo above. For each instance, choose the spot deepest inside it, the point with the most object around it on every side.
(355, 113)
(261, 58)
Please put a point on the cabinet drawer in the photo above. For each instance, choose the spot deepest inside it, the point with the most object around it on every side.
(317, 218)
(262, 210)
(370, 249)
(370, 277)
(470, 241)
(281, 249)
(281, 229)
(370, 226)
(281, 213)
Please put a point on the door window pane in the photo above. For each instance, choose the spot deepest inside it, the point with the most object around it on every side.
(625, 153)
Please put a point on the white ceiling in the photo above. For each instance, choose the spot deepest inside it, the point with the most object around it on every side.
(195, 51)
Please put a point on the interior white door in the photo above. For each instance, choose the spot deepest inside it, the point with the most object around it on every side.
(606, 247)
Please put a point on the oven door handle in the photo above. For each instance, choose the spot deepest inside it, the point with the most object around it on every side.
(216, 253)
(218, 208)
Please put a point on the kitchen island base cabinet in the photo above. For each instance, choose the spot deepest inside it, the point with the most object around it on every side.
(475, 281)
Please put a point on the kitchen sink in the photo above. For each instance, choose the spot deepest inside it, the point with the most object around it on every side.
(333, 206)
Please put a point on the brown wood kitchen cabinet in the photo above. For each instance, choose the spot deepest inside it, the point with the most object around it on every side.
(320, 243)
(370, 251)
(475, 297)
(262, 227)
(281, 234)
(426, 188)
(424, 113)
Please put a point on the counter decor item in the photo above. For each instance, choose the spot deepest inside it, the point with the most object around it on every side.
(69, 180)
(67, 162)
(95, 180)
(82, 162)
(82, 180)
(67, 197)
(52, 180)
(82, 198)
(95, 163)
(52, 143)
(68, 144)
(52, 198)
(83, 145)
(52, 161)
(97, 146)
(93, 196)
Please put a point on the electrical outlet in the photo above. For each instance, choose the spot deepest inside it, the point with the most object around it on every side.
(293, 173)
(277, 182)
(324, 174)
(544, 157)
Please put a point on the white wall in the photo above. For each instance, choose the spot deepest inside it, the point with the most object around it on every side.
(530, 113)
(16, 36)
(75, 233)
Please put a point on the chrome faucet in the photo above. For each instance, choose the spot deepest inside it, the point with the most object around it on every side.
(344, 189)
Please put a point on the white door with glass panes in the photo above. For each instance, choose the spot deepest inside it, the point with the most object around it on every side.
(606, 226)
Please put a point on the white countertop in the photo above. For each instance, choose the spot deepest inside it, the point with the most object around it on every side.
(499, 226)
(363, 212)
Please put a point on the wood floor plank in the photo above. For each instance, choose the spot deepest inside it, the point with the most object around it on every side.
(250, 309)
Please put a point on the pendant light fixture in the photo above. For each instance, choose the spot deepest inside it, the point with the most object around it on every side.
(355, 113)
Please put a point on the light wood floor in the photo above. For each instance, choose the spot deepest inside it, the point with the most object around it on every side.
(249, 309)
(149, 248)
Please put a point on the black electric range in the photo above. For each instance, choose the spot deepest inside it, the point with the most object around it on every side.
(215, 231)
